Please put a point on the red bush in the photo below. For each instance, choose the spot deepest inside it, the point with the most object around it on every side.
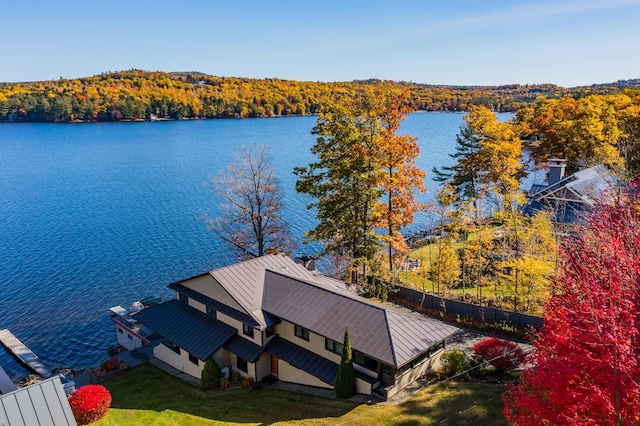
(90, 403)
(501, 354)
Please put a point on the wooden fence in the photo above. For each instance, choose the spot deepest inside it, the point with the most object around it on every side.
(468, 310)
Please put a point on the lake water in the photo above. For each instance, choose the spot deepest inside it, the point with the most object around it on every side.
(98, 215)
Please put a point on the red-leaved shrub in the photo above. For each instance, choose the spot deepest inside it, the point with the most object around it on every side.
(501, 354)
(90, 403)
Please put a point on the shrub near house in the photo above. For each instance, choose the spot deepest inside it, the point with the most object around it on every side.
(90, 403)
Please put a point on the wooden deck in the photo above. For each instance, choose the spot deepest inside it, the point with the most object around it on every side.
(23, 354)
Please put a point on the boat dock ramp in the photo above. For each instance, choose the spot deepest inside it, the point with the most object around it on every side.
(23, 354)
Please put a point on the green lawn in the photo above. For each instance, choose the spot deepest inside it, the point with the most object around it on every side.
(148, 396)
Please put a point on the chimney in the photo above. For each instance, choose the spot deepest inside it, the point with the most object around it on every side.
(556, 170)
(306, 261)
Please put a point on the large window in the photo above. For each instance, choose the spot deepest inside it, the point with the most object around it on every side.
(301, 332)
(242, 364)
(247, 330)
(333, 346)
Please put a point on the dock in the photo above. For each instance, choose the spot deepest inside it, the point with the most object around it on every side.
(23, 354)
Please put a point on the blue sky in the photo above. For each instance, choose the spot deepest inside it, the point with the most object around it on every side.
(464, 42)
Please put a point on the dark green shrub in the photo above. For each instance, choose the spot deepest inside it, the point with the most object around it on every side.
(211, 375)
(345, 385)
(454, 362)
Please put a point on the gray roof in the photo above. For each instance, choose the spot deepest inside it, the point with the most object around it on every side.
(44, 403)
(187, 327)
(244, 281)
(391, 337)
(304, 360)
(245, 349)
(570, 198)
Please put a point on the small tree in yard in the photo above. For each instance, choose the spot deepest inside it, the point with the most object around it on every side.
(90, 403)
(501, 354)
(211, 375)
(586, 359)
(454, 362)
(345, 385)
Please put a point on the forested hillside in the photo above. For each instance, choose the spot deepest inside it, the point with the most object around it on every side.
(143, 95)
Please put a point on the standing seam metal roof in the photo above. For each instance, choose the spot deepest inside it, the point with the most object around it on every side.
(304, 360)
(245, 281)
(44, 403)
(187, 327)
(391, 337)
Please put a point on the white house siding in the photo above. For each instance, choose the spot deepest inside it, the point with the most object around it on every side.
(197, 305)
(257, 337)
(263, 366)
(286, 330)
(291, 374)
(411, 375)
(126, 339)
(180, 362)
(363, 387)
(208, 286)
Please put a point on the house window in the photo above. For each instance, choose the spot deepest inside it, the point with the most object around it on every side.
(271, 330)
(211, 312)
(120, 330)
(242, 364)
(175, 348)
(364, 361)
(247, 330)
(193, 359)
(183, 298)
(301, 332)
(129, 336)
(333, 346)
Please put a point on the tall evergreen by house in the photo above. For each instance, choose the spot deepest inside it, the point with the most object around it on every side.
(345, 385)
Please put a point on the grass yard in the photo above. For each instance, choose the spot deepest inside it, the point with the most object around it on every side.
(148, 396)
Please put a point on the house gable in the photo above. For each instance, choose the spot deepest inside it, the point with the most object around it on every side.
(207, 285)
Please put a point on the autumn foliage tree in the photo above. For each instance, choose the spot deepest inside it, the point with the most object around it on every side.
(363, 180)
(586, 359)
(400, 176)
(250, 202)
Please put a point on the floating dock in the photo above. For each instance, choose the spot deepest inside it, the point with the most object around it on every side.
(23, 354)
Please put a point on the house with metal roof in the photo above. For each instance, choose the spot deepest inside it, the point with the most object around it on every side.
(272, 316)
(568, 198)
(44, 403)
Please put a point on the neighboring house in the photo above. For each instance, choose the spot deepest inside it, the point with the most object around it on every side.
(44, 403)
(272, 316)
(568, 198)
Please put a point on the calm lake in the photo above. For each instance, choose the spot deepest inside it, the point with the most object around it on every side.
(98, 215)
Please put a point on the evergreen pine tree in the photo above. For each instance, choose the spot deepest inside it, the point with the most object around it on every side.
(211, 375)
(345, 385)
